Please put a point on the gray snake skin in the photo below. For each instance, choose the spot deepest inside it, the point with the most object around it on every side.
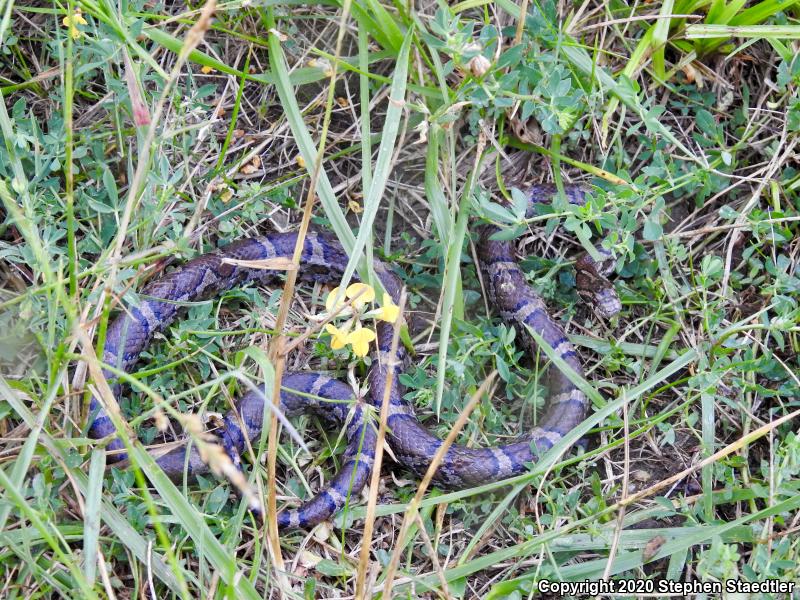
(323, 259)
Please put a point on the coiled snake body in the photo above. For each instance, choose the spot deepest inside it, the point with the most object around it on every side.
(323, 259)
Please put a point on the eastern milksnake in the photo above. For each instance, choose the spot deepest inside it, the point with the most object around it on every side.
(323, 259)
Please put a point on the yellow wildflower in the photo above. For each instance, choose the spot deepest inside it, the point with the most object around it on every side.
(364, 292)
(339, 337)
(330, 302)
(72, 21)
(360, 339)
(389, 311)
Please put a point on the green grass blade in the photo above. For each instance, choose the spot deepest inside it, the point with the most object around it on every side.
(452, 279)
(786, 53)
(305, 144)
(707, 431)
(208, 546)
(128, 536)
(660, 34)
(6, 20)
(442, 219)
(762, 11)
(91, 523)
(23, 461)
(687, 538)
(387, 25)
(723, 32)
(725, 12)
(13, 495)
(738, 25)
(300, 76)
(363, 90)
(386, 150)
(367, 23)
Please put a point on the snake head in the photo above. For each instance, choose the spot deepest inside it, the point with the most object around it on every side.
(606, 302)
(593, 286)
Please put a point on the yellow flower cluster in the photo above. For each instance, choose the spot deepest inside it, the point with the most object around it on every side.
(352, 303)
(72, 22)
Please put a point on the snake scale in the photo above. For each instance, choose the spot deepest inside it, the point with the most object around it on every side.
(324, 260)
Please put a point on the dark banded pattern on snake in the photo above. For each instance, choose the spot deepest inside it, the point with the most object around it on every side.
(324, 260)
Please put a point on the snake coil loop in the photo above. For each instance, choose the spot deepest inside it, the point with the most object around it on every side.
(324, 260)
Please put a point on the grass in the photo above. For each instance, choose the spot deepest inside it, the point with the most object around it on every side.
(155, 134)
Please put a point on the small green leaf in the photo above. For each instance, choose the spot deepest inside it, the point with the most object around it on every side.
(652, 230)
(333, 569)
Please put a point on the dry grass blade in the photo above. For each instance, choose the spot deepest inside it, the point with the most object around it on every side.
(413, 506)
(144, 462)
(621, 514)
(369, 521)
(722, 453)
(276, 264)
(278, 352)
(452, 276)
(133, 540)
(193, 38)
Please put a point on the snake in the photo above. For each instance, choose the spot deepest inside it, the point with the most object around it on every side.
(324, 260)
